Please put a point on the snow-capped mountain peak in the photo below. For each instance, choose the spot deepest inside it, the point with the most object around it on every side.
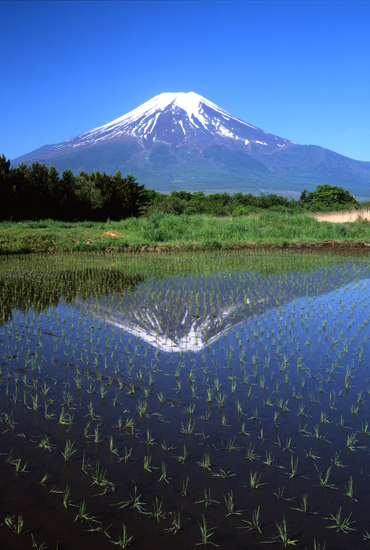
(173, 118)
(184, 141)
(192, 104)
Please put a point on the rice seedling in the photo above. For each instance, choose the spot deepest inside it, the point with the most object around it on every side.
(124, 540)
(324, 481)
(254, 523)
(206, 533)
(187, 429)
(69, 450)
(133, 502)
(341, 423)
(205, 462)
(97, 439)
(293, 467)
(185, 487)
(44, 480)
(229, 501)
(255, 416)
(99, 478)
(182, 458)
(336, 462)
(230, 445)
(268, 402)
(55, 491)
(147, 464)
(270, 461)
(66, 495)
(224, 474)
(280, 495)
(19, 469)
(365, 429)
(15, 525)
(157, 510)
(220, 399)
(217, 384)
(40, 546)
(82, 514)
(130, 425)
(164, 474)
(282, 536)
(318, 436)
(244, 431)
(324, 418)
(282, 404)
(190, 409)
(141, 408)
(176, 522)
(112, 449)
(251, 455)
(349, 490)
(310, 454)
(207, 501)
(304, 506)
(254, 481)
(342, 525)
(351, 443)
(288, 444)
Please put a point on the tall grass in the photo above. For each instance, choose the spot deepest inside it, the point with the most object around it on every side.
(160, 229)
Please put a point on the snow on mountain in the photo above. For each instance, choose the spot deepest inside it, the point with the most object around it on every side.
(184, 139)
(173, 118)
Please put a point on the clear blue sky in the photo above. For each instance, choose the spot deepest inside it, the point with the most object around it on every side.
(300, 70)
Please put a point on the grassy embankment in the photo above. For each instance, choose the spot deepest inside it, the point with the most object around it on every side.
(186, 232)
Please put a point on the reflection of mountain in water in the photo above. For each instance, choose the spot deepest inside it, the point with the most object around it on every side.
(189, 313)
(183, 331)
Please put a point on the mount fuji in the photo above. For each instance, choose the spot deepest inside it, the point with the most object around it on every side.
(184, 141)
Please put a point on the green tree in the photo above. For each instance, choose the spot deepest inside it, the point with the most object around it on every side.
(330, 196)
(4, 165)
(88, 195)
(6, 189)
(304, 195)
(131, 196)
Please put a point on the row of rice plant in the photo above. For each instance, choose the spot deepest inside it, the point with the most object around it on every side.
(189, 400)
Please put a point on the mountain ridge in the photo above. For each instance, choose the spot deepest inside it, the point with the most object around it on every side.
(183, 138)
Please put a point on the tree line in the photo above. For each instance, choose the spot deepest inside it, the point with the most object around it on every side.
(38, 192)
(324, 198)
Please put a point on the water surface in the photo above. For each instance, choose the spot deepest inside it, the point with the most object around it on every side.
(178, 381)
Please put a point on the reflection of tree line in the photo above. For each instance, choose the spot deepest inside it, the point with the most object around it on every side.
(38, 290)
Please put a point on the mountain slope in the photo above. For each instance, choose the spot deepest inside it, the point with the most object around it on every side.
(184, 141)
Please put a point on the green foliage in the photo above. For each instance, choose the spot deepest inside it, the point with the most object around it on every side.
(330, 195)
(35, 192)
(217, 204)
(240, 211)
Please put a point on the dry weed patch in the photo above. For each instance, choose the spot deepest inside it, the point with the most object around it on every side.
(112, 234)
(342, 217)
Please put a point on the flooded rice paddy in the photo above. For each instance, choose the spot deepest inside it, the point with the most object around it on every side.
(216, 399)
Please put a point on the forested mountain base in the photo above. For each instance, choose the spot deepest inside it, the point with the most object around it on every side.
(37, 192)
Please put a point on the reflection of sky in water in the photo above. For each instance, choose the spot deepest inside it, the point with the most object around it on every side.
(284, 341)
